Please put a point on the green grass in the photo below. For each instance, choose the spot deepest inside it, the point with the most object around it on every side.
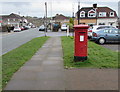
(98, 56)
(14, 59)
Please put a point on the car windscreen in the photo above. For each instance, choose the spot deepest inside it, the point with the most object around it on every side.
(104, 27)
(16, 27)
(64, 25)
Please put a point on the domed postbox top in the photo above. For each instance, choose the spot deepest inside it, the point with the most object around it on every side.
(81, 26)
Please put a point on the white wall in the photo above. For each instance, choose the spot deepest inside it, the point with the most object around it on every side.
(119, 9)
(107, 21)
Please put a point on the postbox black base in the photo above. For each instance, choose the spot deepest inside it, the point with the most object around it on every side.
(78, 58)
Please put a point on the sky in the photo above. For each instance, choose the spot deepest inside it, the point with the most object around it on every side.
(36, 8)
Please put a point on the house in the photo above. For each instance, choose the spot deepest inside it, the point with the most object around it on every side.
(97, 16)
(0, 21)
(119, 9)
(13, 20)
(119, 14)
(60, 18)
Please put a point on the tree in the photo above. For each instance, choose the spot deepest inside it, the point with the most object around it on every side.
(71, 21)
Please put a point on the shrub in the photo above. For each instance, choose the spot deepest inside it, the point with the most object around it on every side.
(5, 28)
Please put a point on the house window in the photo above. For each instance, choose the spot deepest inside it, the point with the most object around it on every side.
(82, 14)
(8, 19)
(91, 13)
(13, 19)
(111, 14)
(102, 14)
(101, 23)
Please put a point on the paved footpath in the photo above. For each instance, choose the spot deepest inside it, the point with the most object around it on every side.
(45, 70)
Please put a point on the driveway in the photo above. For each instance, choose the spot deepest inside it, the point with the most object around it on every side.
(111, 46)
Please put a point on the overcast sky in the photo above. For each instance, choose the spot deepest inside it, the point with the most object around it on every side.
(37, 7)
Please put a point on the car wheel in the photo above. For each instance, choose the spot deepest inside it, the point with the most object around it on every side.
(101, 41)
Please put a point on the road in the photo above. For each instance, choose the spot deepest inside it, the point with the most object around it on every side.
(16, 39)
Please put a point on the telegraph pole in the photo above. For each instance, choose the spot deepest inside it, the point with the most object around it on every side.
(73, 19)
(73, 13)
(51, 16)
(78, 13)
(45, 18)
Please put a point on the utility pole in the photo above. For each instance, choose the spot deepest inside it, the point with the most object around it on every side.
(78, 13)
(45, 18)
(73, 13)
(51, 16)
(73, 19)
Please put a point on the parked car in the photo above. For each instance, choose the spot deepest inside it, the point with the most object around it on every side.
(17, 29)
(96, 28)
(25, 27)
(22, 28)
(28, 27)
(42, 28)
(63, 27)
(56, 27)
(106, 35)
(89, 33)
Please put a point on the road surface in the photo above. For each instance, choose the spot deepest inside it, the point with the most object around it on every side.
(16, 39)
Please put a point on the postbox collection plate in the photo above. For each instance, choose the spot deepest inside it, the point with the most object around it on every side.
(81, 38)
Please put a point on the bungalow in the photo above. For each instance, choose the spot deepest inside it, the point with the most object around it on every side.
(60, 18)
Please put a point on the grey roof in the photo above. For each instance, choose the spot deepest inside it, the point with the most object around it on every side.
(12, 15)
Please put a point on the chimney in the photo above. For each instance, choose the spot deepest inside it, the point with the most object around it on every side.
(94, 6)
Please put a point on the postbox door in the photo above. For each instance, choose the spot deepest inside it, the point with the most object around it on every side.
(83, 43)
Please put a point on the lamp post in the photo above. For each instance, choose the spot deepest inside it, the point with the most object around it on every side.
(73, 20)
(78, 13)
(45, 18)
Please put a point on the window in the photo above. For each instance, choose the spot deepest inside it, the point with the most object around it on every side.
(111, 14)
(111, 31)
(114, 31)
(101, 23)
(102, 14)
(91, 13)
(106, 31)
(13, 19)
(82, 14)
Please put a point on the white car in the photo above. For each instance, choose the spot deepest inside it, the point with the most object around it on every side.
(89, 32)
(17, 29)
(97, 28)
(42, 28)
(64, 27)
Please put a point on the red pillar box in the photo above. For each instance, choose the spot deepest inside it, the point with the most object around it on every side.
(80, 42)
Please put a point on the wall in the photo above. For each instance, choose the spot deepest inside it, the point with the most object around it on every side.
(86, 21)
(119, 9)
(107, 21)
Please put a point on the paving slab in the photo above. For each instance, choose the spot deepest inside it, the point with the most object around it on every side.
(44, 71)
(91, 79)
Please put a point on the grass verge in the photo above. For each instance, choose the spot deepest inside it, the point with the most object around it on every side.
(98, 56)
(14, 59)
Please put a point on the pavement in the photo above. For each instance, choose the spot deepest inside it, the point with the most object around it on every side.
(45, 71)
